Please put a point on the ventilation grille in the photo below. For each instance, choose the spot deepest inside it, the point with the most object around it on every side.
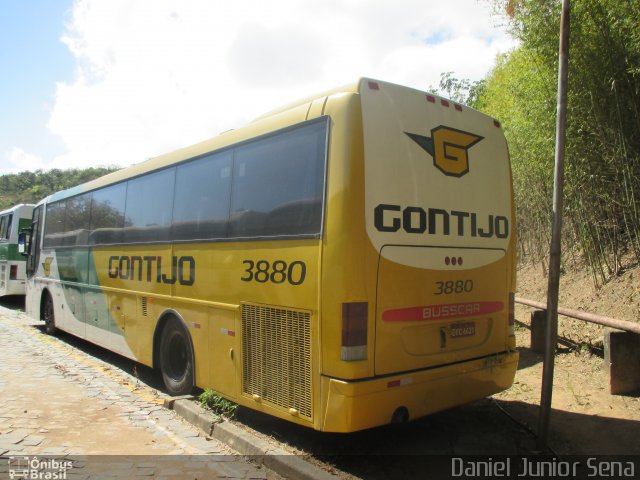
(276, 353)
(143, 306)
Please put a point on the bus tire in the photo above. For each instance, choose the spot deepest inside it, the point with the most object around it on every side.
(48, 315)
(176, 358)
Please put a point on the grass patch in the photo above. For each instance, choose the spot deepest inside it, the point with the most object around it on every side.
(211, 400)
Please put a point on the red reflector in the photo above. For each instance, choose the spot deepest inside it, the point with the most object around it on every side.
(394, 383)
(458, 107)
(374, 86)
(431, 99)
(13, 272)
(445, 103)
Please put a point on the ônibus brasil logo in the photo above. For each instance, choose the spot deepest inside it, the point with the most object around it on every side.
(449, 148)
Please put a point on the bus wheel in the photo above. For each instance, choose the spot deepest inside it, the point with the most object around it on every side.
(48, 315)
(176, 358)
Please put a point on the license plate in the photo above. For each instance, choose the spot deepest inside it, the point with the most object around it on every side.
(465, 329)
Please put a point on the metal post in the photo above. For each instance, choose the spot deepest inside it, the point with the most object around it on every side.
(554, 259)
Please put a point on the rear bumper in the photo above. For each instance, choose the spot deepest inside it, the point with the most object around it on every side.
(353, 406)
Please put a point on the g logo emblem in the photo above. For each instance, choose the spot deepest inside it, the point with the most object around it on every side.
(449, 149)
(46, 265)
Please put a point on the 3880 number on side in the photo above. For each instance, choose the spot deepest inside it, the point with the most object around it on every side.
(279, 271)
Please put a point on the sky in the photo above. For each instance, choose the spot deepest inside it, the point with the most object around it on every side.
(114, 82)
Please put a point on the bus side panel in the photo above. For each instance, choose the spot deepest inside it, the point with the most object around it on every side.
(349, 262)
(230, 279)
(128, 277)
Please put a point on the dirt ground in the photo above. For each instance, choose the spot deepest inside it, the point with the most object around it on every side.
(585, 418)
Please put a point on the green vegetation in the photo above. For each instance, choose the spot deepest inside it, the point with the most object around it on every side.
(211, 400)
(31, 187)
(602, 170)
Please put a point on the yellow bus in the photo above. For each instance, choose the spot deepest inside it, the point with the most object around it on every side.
(12, 264)
(342, 263)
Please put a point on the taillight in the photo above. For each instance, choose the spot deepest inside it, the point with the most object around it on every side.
(13, 272)
(354, 331)
(512, 314)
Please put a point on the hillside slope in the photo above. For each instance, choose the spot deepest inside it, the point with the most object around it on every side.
(618, 298)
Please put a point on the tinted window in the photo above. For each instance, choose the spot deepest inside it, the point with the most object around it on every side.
(201, 205)
(107, 214)
(5, 226)
(67, 222)
(149, 206)
(54, 224)
(278, 184)
(77, 220)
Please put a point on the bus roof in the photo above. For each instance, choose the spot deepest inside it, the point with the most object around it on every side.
(262, 125)
(17, 207)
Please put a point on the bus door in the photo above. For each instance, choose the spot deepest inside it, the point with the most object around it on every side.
(34, 244)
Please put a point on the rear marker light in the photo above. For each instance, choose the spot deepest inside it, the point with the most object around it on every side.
(431, 99)
(512, 314)
(13, 272)
(374, 86)
(354, 331)
(398, 383)
(458, 107)
(496, 123)
(453, 260)
(445, 103)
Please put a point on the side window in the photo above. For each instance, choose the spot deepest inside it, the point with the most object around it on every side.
(201, 205)
(54, 224)
(77, 220)
(9, 220)
(107, 214)
(4, 228)
(149, 207)
(278, 184)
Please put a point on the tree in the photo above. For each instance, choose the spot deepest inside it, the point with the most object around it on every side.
(31, 187)
(602, 180)
(460, 90)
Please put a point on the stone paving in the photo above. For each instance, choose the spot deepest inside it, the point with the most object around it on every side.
(63, 405)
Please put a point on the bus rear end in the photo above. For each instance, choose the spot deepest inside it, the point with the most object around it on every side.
(437, 319)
